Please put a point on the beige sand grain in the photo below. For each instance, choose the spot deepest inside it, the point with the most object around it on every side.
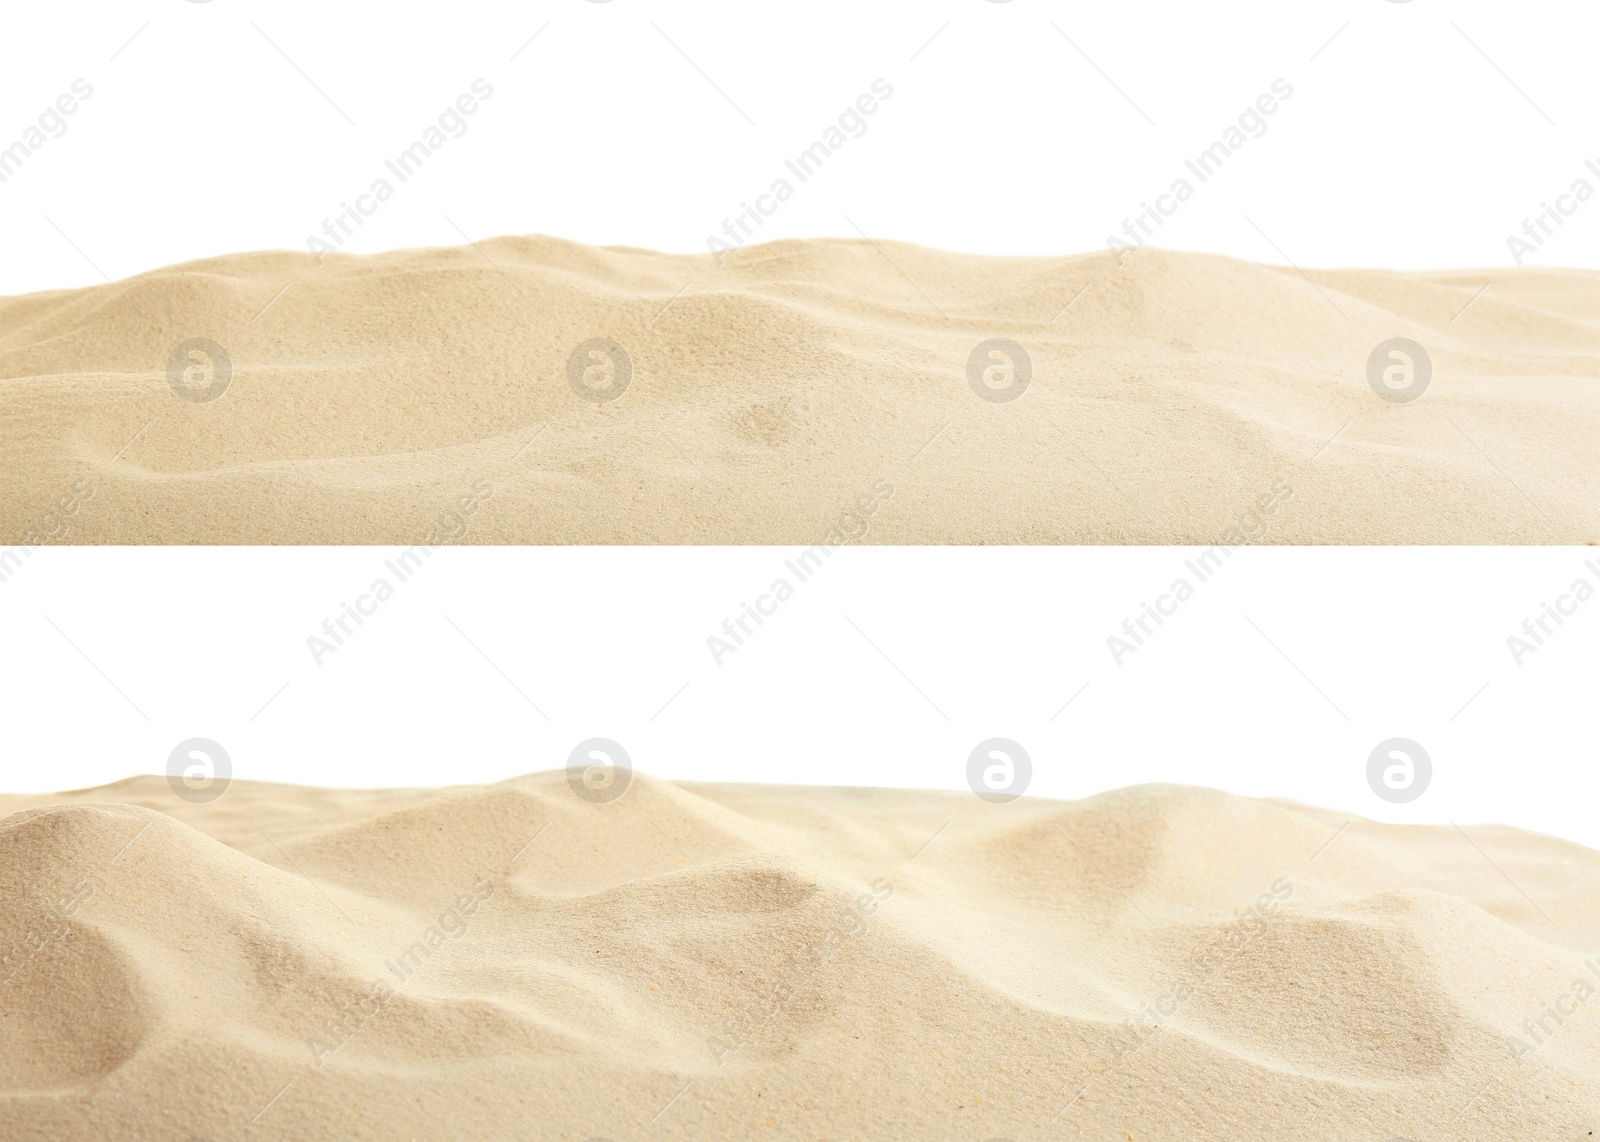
(423, 397)
(734, 962)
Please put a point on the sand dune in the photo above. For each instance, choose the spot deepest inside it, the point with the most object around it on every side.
(735, 962)
(801, 392)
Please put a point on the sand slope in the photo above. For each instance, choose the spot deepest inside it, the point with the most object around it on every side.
(423, 397)
(735, 962)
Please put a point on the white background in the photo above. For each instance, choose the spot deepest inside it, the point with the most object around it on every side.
(1024, 127)
(113, 656)
(1419, 135)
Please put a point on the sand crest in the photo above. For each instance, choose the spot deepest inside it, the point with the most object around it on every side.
(732, 962)
(532, 390)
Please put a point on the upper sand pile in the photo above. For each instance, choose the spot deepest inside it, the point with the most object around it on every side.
(733, 962)
(534, 390)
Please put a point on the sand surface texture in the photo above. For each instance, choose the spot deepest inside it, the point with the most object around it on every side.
(735, 962)
(532, 390)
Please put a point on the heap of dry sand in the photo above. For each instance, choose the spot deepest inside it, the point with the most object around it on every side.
(731, 962)
(532, 390)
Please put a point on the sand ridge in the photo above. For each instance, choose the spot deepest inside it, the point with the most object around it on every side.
(736, 961)
(532, 390)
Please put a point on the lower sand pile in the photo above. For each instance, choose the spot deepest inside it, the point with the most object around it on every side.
(519, 961)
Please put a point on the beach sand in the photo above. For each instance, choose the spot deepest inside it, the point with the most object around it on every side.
(689, 961)
(532, 390)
